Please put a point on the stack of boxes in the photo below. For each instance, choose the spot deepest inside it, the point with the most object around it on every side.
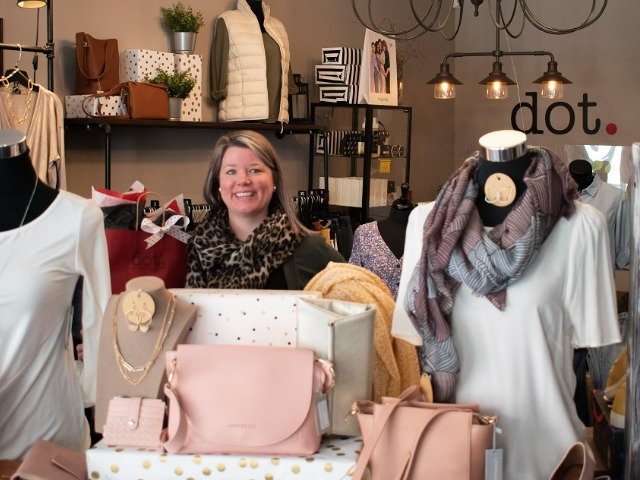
(347, 191)
(339, 75)
(135, 66)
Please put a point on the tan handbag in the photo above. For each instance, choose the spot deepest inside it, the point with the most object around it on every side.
(142, 100)
(409, 440)
(245, 399)
(49, 461)
(97, 64)
(341, 332)
(134, 422)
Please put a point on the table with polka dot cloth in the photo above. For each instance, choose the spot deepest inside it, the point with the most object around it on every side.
(335, 460)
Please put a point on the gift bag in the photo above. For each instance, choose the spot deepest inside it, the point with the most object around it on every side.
(97, 64)
(378, 72)
(342, 333)
(155, 246)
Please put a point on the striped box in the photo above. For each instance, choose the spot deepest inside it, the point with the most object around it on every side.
(339, 93)
(342, 56)
(337, 74)
(335, 138)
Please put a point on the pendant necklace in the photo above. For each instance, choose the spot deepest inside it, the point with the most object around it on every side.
(126, 369)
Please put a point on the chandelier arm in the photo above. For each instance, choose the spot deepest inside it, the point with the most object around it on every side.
(499, 16)
(537, 23)
(455, 33)
(509, 32)
(389, 33)
(420, 21)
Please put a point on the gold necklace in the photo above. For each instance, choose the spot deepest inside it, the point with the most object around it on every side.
(126, 369)
(15, 120)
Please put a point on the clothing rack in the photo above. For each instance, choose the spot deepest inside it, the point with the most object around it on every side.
(47, 49)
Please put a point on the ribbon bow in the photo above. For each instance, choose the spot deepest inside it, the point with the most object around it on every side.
(169, 227)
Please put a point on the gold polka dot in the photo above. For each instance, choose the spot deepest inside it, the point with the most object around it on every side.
(95, 475)
(222, 467)
(275, 461)
(268, 476)
(206, 471)
(146, 464)
(119, 449)
(350, 472)
(178, 471)
(115, 468)
(309, 459)
(295, 469)
(197, 459)
(340, 454)
(242, 462)
(328, 467)
(254, 463)
(163, 458)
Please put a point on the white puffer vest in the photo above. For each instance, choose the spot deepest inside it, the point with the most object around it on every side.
(247, 96)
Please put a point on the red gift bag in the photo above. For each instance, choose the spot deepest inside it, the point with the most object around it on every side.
(129, 258)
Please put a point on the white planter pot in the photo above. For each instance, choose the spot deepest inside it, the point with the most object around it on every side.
(184, 42)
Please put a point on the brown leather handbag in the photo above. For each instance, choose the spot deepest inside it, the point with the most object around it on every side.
(142, 100)
(97, 64)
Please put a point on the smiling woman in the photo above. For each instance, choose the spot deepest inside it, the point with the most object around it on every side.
(252, 237)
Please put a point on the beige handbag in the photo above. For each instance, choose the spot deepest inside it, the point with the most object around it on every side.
(342, 333)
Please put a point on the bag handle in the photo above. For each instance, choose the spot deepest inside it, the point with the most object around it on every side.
(381, 422)
(117, 90)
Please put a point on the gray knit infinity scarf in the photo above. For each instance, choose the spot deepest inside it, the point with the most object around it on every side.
(456, 249)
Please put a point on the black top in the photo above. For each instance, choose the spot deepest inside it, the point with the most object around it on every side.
(393, 230)
(491, 214)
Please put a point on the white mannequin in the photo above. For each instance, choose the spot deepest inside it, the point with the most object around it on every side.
(137, 347)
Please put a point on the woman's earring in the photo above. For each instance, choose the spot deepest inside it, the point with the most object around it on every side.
(275, 188)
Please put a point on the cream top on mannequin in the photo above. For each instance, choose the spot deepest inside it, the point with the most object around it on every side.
(503, 161)
(135, 325)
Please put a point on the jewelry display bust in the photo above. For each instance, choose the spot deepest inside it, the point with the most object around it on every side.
(140, 325)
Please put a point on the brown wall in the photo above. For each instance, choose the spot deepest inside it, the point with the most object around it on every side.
(173, 161)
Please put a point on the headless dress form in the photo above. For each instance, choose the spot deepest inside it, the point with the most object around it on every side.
(18, 183)
(393, 228)
(137, 347)
(502, 153)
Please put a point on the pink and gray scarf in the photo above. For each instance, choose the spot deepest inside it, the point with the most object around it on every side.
(456, 249)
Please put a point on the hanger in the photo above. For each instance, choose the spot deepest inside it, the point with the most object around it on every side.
(18, 77)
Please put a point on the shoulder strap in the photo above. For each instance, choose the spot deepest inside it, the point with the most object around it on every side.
(117, 90)
(173, 444)
(82, 47)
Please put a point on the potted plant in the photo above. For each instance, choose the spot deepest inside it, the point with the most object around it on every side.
(179, 85)
(185, 25)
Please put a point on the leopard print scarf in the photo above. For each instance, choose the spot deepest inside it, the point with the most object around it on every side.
(217, 259)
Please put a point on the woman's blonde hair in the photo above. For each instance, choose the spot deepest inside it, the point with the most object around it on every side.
(264, 150)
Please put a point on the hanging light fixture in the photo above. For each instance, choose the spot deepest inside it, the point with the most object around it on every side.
(437, 17)
(445, 83)
(552, 82)
(32, 3)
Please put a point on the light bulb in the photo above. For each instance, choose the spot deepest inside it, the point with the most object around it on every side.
(497, 91)
(552, 90)
(444, 90)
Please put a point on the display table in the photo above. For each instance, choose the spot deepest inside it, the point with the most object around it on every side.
(335, 460)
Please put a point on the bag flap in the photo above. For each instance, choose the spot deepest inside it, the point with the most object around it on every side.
(52, 461)
(241, 395)
(332, 309)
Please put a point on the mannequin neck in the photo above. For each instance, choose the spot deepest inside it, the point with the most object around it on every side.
(493, 214)
(17, 183)
(393, 230)
(256, 8)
